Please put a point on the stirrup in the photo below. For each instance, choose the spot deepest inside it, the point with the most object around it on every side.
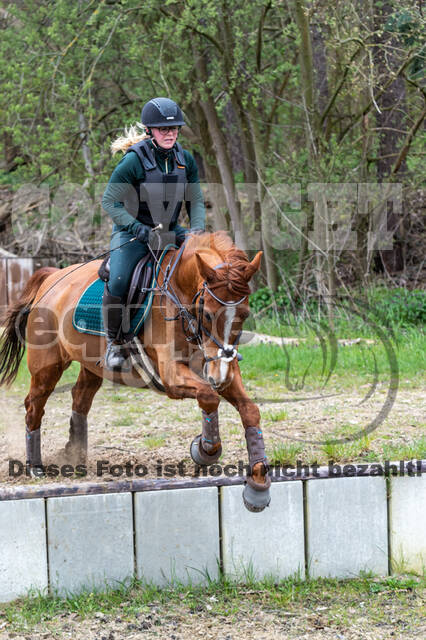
(114, 358)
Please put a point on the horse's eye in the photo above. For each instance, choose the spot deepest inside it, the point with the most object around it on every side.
(208, 316)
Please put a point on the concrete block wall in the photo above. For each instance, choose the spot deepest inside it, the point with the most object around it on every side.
(23, 550)
(90, 541)
(177, 535)
(269, 543)
(407, 524)
(347, 529)
(334, 527)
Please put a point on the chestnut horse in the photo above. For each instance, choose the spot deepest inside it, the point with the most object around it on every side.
(203, 294)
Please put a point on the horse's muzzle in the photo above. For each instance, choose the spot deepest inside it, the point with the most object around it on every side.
(214, 384)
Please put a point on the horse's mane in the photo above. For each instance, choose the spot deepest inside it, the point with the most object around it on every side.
(235, 259)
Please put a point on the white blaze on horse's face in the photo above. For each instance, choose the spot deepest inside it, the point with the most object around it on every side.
(216, 371)
(229, 319)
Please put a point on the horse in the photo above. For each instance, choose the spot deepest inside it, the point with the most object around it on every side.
(194, 353)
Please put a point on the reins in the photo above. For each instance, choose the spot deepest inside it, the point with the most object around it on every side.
(195, 322)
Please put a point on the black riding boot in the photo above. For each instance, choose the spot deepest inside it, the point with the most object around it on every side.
(113, 312)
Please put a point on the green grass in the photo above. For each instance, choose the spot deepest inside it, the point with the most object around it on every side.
(225, 597)
(124, 421)
(285, 453)
(235, 430)
(346, 452)
(415, 450)
(306, 366)
(153, 442)
(275, 416)
(116, 397)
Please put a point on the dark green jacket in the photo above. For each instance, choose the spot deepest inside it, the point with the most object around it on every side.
(130, 171)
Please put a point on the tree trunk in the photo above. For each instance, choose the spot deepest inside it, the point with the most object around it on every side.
(215, 199)
(272, 276)
(85, 149)
(307, 80)
(219, 145)
(325, 267)
(390, 119)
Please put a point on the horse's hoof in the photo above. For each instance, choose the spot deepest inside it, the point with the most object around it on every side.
(200, 456)
(255, 500)
(37, 473)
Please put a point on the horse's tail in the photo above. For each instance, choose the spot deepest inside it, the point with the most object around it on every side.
(14, 322)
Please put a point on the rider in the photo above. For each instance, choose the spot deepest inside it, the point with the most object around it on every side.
(146, 189)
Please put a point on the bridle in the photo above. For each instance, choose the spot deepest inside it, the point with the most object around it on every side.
(192, 324)
(225, 352)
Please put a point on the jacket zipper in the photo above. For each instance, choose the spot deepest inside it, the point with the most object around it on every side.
(166, 165)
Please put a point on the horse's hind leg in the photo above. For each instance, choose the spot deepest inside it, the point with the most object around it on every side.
(83, 393)
(43, 383)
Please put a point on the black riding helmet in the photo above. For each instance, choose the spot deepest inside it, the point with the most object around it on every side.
(162, 112)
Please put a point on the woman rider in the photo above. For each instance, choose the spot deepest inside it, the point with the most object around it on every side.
(146, 188)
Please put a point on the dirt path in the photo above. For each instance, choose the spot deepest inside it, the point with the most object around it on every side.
(142, 427)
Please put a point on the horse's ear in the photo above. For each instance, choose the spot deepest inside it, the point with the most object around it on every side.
(253, 266)
(206, 271)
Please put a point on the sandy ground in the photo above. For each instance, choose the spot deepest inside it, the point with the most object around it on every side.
(142, 427)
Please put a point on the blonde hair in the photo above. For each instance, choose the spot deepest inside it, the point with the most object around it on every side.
(133, 134)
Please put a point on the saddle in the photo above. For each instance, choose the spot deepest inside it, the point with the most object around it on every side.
(139, 283)
(87, 316)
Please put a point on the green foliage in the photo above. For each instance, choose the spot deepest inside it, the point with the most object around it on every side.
(75, 74)
(263, 299)
(399, 307)
(409, 26)
(396, 307)
(274, 416)
(347, 452)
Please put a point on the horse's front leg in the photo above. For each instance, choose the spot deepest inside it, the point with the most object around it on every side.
(256, 492)
(180, 382)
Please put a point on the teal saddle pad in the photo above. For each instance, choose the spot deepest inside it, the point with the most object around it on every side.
(87, 317)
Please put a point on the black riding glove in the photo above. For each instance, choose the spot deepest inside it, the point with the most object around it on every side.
(142, 233)
(187, 232)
